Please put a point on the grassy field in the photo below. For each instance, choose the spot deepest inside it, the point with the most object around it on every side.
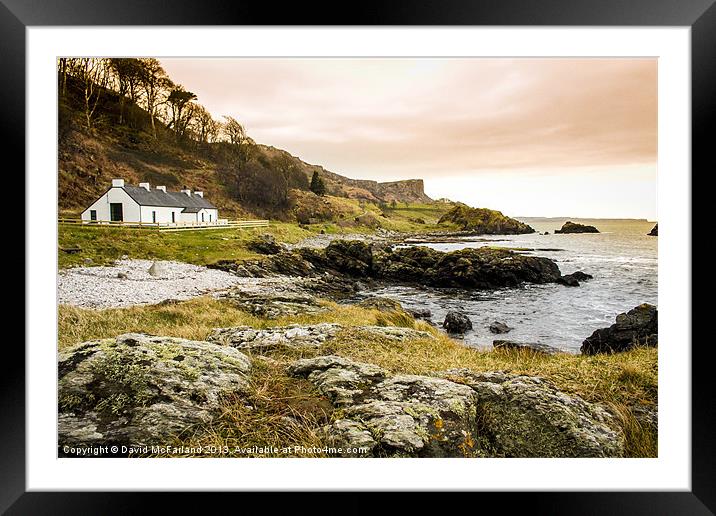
(287, 409)
(103, 245)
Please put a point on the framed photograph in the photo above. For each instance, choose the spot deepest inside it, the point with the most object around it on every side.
(426, 251)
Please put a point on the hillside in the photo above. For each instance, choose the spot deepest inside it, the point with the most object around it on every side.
(269, 183)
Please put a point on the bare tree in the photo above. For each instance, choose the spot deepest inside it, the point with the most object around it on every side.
(92, 72)
(154, 81)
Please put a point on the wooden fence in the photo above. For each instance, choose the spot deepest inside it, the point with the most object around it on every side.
(166, 226)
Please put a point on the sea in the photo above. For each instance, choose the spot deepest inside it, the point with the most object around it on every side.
(622, 258)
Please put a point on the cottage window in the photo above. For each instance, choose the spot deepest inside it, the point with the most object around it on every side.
(93, 214)
(173, 216)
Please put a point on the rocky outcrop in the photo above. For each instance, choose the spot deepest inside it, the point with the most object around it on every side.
(637, 327)
(654, 231)
(481, 221)
(572, 280)
(534, 347)
(573, 227)
(456, 414)
(141, 390)
(343, 261)
(305, 336)
(457, 322)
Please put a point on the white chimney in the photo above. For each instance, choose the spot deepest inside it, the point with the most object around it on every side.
(188, 192)
(144, 185)
(118, 182)
(162, 188)
(200, 194)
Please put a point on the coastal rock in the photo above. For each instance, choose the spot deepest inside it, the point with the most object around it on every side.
(457, 413)
(535, 347)
(572, 280)
(342, 263)
(139, 389)
(457, 322)
(264, 244)
(637, 327)
(654, 231)
(525, 416)
(481, 221)
(573, 227)
(482, 268)
(305, 336)
(499, 327)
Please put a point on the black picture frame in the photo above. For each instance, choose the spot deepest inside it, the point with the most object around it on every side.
(700, 15)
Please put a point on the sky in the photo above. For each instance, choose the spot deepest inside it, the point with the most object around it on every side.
(529, 137)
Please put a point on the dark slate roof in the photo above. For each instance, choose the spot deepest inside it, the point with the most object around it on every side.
(191, 210)
(156, 197)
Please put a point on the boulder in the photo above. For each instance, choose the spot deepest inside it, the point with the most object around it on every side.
(499, 327)
(534, 347)
(654, 231)
(143, 390)
(457, 413)
(384, 416)
(637, 327)
(457, 322)
(352, 257)
(525, 416)
(264, 244)
(156, 269)
(122, 275)
(573, 227)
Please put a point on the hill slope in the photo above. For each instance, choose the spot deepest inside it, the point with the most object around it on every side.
(273, 183)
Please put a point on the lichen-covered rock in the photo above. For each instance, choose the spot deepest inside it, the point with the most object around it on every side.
(456, 413)
(637, 327)
(296, 336)
(403, 415)
(142, 390)
(524, 416)
(305, 336)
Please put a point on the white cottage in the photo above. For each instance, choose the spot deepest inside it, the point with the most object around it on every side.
(126, 203)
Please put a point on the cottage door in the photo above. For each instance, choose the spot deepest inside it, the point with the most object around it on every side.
(115, 212)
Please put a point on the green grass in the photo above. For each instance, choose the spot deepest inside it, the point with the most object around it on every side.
(285, 409)
(103, 245)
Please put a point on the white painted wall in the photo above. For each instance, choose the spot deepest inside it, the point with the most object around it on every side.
(164, 214)
(130, 209)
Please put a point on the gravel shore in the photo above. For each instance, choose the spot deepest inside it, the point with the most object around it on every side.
(102, 287)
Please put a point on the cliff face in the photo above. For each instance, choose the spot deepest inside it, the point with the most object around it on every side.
(408, 190)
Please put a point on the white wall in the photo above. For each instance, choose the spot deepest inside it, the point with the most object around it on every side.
(164, 214)
(130, 209)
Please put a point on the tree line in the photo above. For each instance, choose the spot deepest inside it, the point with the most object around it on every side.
(251, 175)
(145, 83)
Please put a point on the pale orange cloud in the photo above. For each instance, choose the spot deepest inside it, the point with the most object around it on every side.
(467, 119)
